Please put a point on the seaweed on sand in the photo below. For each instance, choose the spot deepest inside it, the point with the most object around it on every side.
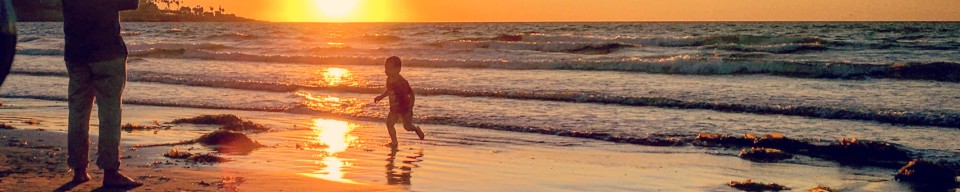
(750, 185)
(924, 175)
(760, 154)
(138, 127)
(846, 150)
(852, 150)
(193, 157)
(175, 153)
(223, 141)
(5, 126)
(821, 188)
(227, 121)
(228, 139)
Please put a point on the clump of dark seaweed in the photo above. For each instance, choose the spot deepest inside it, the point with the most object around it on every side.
(207, 158)
(177, 154)
(228, 122)
(138, 127)
(852, 150)
(821, 188)
(760, 154)
(750, 185)
(193, 157)
(717, 140)
(847, 150)
(223, 141)
(5, 126)
(221, 119)
(778, 141)
(227, 138)
(924, 175)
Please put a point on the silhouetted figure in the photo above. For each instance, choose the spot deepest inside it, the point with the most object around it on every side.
(8, 38)
(96, 58)
(402, 100)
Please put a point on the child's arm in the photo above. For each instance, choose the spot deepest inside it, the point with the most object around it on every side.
(381, 96)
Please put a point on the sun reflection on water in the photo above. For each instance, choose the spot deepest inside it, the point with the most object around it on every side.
(335, 135)
(330, 103)
(334, 76)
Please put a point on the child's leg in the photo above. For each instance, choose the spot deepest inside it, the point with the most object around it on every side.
(391, 120)
(408, 124)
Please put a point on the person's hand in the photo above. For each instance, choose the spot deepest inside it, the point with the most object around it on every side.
(377, 100)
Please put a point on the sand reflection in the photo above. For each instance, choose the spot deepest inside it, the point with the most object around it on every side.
(335, 137)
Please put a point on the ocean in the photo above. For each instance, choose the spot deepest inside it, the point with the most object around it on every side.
(641, 83)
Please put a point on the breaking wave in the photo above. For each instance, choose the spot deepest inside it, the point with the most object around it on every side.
(921, 118)
(733, 64)
(563, 47)
(670, 41)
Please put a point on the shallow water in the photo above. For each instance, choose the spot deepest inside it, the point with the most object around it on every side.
(305, 148)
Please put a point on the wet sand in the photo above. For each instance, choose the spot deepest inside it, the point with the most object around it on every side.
(309, 153)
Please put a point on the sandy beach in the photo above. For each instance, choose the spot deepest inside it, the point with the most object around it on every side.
(310, 153)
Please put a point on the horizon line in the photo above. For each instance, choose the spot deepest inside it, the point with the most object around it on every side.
(630, 21)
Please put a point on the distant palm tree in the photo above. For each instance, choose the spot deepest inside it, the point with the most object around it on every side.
(168, 2)
(198, 10)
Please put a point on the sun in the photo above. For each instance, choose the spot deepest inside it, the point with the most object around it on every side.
(337, 8)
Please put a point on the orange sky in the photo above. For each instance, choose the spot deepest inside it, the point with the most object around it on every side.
(588, 10)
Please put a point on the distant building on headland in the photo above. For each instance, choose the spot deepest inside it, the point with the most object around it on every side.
(149, 11)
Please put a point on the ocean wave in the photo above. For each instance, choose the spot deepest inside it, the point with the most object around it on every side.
(27, 39)
(170, 50)
(366, 38)
(734, 64)
(133, 47)
(777, 48)
(894, 44)
(231, 36)
(563, 47)
(571, 43)
(165, 50)
(48, 52)
(922, 118)
(667, 41)
(377, 38)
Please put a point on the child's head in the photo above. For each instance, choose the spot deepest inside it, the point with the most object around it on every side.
(392, 65)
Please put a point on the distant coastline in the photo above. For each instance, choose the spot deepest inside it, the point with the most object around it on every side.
(149, 11)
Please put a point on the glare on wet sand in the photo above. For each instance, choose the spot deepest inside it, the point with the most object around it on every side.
(335, 136)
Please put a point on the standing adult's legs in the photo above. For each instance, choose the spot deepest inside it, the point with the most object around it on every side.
(80, 96)
(109, 80)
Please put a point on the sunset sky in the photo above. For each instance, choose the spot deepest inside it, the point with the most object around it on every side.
(587, 10)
